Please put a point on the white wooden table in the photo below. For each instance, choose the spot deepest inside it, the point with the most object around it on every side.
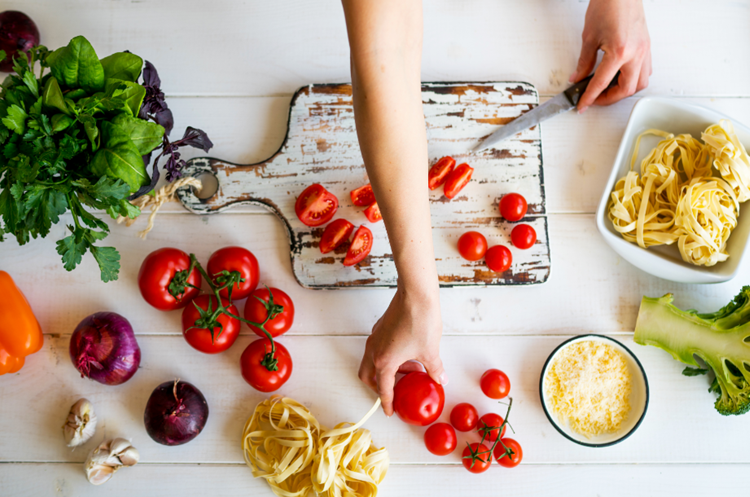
(230, 68)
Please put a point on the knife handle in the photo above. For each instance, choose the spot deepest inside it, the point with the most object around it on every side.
(574, 92)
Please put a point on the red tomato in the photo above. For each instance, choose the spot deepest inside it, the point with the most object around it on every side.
(360, 246)
(316, 205)
(418, 399)
(440, 439)
(505, 459)
(156, 274)
(498, 258)
(373, 213)
(335, 234)
(457, 179)
(523, 236)
(256, 374)
(464, 417)
(513, 207)
(440, 171)
(363, 195)
(495, 384)
(256, 312)
(234, 259)
(472, 245)
(477, 458)
(489, 427)
(200, 338)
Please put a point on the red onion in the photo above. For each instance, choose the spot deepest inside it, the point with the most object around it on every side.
(103, 348)
(175, 413)
(18, 33)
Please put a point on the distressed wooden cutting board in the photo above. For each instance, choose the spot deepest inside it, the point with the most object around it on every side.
(321, 147)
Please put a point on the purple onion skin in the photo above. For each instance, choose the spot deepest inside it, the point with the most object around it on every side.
(175, 413)
(18, 33)
(103, 348)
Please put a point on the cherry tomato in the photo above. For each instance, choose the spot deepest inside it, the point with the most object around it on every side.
(363, 195)
(464, 417)
(335, 234)
(508, 460)
(440, 171)
(489, 427)
(256, 374)
(200, 338)
(472, 245)
(477, 458)
(316, 205)
(373, 213)
(495, 384)
(418, 399)
(156, 274)
(523, 236)
(513, 207)
(498, 258)
(440, 439)
(457, 179)
(360, 246)
(234, 259)
(256, 312)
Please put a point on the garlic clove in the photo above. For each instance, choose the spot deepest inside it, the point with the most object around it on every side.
(106, 459)
(81, 423)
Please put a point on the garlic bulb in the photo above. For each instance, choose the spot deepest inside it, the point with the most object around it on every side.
(81, 424)
(110, 456)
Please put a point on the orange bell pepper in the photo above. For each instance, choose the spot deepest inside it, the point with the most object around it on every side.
(20, 333)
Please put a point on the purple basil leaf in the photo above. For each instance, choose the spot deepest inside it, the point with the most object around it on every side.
(154, 179)
(150, 76)
(196, 138)
(164, 118)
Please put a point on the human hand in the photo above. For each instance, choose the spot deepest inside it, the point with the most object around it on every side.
(618, 27)
(408, 331)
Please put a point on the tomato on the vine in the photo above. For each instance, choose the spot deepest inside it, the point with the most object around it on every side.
(513, 207)
(258, 375)
(464, 417)
(498, 258)
(234, 259)
(257, 311)
(472, 245)
(457, 180)
(163, 277)
(440, 171)
(360, 246)
(440, 439)
(508, 459)
(523, 236)
(316, 205)
(418, 399)
(495, 384)
(489, 427)
(373, 213)
(195, 331)
(477, 458)
(335, 234)
(362, 196)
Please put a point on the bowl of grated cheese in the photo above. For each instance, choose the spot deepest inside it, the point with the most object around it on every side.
(594, 390)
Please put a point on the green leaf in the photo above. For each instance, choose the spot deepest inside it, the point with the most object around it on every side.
(109, 262)
(31, 83)
(89, 126)
(77, 65)
(17, 191)
(75, 94)
(16, 119)
(122, 65)
(61, 122)
(146, 135)
(43, 208)
(9, 210)
(694, 371)
(106, 187)
(2, 55)
(52, 96)
(119, 159)
(71, 251)
(125, 209)
(125, 91)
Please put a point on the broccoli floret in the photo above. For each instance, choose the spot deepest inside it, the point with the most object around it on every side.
(721, 339)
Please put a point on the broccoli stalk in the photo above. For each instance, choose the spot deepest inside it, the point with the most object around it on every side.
(721, 339)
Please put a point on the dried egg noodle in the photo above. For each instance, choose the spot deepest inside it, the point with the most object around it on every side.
(284, 443)
(730, 157)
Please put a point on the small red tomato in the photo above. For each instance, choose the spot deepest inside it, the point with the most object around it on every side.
(418, 399)
(157, 275)
(335, 234)
(464, 417)
(360, 246)
(316, 206)
(498, 258)
(440, 439)
(259, 376)
(373, 213)
(362, 196)
(472, 245)
(256, 311)
(513, 207)
(457, 179)
(504, 458)
(477, 458)
(200, 338)
(440, 171)
(523, 236)
(495, 384)
(234, 259)
(489, 427)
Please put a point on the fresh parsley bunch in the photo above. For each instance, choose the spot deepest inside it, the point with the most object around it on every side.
(80, 136)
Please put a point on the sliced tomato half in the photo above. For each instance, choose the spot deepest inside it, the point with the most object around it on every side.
(335, 234)
(360, 246)
(373, 213)
(363, 195)
(440, 171)
(316, 205)
(457, 179)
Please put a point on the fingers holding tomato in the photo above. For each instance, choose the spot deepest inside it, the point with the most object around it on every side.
(228, 259)
(164, 281)
(261, 373)
(197, 325)
(418, 399)
(260, 306)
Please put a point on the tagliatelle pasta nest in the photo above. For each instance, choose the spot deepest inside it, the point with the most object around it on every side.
(284, 444)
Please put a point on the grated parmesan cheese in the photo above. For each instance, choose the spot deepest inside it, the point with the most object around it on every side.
(588, 387)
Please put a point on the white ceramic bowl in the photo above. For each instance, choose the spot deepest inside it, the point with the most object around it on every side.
(676, 117)
(638, 396)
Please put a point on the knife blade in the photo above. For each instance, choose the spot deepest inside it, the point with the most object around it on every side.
(556, 105)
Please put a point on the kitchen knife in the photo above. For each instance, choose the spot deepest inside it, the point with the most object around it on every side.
(561, 103)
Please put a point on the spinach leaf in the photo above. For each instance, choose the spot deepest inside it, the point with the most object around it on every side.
(52, 96)
(126, 91)
(122, 65)
(77, 66)
(119, 158)
(145, 135)
(60, 122)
